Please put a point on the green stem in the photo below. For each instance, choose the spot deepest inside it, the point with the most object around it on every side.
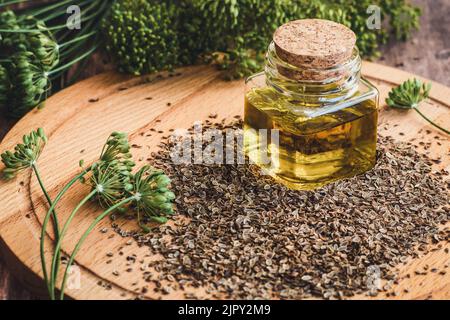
(19, 30)
(83, 238)
(11, 2)
(90, 34)
(38, 12)
(45, 223)
(431, 122)
(57, 13)
(87, 28)
(52, 16)
(103, 7)
(75, 48)
(54, 28)
(84, 19)
(90, 26)
(50, 203)
(41, 184)
(53, 272)
(68, 65)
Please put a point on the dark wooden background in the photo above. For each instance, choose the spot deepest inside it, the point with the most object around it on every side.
(426, 54)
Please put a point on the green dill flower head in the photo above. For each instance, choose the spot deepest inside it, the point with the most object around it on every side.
(111, 175)
(140, 36)
(25, 154)
(42, 44)
(409, 94)
(110, 181)
(29, 84)
(8, 19)
(117, 147)
(151, 194)
(10, 41)
(39, 41)
(27, 57)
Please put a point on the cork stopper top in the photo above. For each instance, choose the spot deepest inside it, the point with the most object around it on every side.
(314, 43)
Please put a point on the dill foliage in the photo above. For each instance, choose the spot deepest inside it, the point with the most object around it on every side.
(140, 36)
(146, 36)
(37, 49)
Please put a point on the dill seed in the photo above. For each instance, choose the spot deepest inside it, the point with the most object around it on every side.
(238, 234)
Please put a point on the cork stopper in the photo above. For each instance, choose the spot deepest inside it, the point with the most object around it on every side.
(314, 43)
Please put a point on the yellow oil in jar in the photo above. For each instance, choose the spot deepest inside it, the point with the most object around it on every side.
(309, 152)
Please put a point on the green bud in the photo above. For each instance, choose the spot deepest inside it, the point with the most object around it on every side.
(163, 181)
(166, 208)
(11, 171)
(169, 195)
(29, 152)
(158, 199)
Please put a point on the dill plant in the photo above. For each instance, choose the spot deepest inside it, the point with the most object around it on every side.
(37, 49)
(234, 35)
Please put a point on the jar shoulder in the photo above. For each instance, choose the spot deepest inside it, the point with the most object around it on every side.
(265, 96)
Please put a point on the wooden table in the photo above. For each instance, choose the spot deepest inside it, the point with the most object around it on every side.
(427, 54)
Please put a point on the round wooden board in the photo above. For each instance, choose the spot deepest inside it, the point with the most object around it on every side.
(80, 118)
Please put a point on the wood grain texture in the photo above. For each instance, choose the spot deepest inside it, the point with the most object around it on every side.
(426, 54)
(79, 129)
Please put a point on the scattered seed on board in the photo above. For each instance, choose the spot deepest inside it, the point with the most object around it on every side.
(248, 237)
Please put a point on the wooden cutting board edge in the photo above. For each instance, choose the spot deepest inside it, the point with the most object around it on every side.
(111, 82)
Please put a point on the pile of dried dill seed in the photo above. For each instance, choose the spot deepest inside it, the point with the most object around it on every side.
(249, 237)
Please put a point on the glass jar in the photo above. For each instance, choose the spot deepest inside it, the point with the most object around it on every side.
(308, 126)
